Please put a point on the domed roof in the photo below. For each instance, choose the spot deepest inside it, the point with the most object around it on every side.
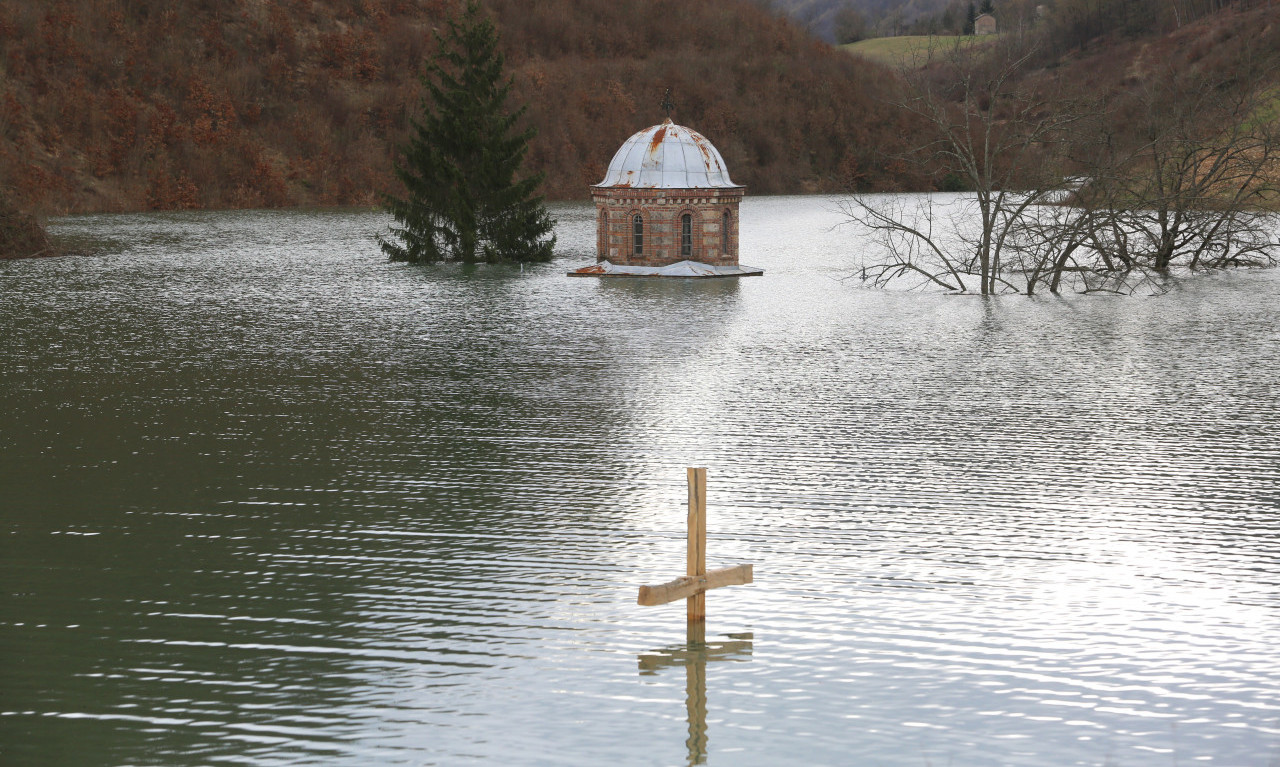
(667, 156)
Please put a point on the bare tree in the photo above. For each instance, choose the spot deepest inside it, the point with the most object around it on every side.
(1199, 188)
(1201, 191)
(1001, 141)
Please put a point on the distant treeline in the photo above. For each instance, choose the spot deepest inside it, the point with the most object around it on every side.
(1067, 23)
(166, 104)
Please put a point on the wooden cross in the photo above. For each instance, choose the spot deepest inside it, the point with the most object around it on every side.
(694, 656)
(697, 581)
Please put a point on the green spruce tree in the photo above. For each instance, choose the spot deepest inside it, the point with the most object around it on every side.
(464, 201)
(970, 18)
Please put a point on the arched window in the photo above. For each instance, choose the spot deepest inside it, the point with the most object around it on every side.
(724, 232)
(686, 235)
(637, 229)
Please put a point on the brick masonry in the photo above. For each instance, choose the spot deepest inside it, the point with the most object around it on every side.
(661, 211)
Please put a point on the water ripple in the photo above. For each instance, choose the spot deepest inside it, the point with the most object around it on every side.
(267, 499)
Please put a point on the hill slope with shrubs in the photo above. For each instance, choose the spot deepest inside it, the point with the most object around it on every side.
(112, 105)
(1149, 76)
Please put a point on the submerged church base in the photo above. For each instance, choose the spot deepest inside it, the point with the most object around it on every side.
(678, 269)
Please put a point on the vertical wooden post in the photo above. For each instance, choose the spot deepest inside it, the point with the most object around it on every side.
(695, 693)
(697, 556)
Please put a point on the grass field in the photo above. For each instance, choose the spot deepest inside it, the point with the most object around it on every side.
(1268, 110)
(909, 51)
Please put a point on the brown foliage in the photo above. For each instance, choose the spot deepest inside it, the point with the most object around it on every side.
(164, 192)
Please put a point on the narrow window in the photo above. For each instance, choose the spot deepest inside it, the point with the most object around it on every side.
(724, 233)
(602, 241)
(686, 235)
(637, 227)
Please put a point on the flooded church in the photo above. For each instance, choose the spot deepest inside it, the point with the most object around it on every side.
(667, 208)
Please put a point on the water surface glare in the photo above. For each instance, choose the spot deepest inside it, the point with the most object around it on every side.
(267, 499)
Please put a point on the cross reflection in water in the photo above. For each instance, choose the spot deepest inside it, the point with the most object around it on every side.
(693, 655)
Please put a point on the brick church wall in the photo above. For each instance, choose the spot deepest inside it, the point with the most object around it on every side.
(661, 210)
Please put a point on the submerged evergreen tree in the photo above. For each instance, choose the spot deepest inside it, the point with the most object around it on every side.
(459, 169)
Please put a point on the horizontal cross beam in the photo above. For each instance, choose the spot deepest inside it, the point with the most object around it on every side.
(736, 648)
(692, 585)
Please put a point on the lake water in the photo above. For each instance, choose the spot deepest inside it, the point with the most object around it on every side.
(268, 499)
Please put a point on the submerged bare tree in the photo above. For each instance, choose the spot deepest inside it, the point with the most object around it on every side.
(999, 140)
(1199, 191)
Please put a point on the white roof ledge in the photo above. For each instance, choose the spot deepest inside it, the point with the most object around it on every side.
(678, 269)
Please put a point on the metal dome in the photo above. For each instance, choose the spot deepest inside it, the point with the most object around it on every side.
(667, 156)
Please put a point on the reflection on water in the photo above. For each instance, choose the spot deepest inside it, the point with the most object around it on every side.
(693, 656)
(267, 499)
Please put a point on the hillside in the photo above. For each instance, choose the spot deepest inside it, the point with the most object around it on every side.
(1129, 66)
(1230, 51)
(113, 105)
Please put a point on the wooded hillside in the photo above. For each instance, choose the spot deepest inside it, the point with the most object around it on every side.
(1147, 67)
(164, 104)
